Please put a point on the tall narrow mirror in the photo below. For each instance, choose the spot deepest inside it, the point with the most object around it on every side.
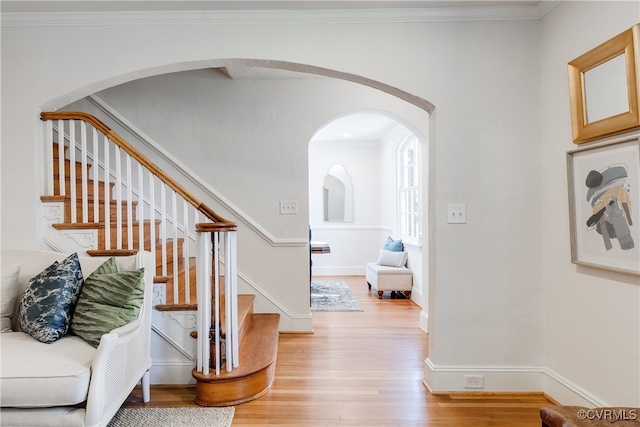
(337, 195)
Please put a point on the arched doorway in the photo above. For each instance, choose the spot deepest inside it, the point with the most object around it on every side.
(366, 145)
(232, 67)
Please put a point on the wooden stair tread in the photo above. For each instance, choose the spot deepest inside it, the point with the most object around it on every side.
(176, 307)
(257, 350)
(77, 225)
(245, 306)
(245, 314)
(112, 252)
(254, 376)
(90, 225)
(259, 346)
(90, 199)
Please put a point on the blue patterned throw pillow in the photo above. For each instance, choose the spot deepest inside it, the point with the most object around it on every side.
(393, 245)
(48, 302)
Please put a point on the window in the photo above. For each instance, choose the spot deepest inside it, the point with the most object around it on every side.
(408, 190)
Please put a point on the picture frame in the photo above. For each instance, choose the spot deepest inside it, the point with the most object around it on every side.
(604, 205)
(603, 88)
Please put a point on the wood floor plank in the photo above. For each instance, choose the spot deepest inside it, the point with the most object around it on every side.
(362, 369)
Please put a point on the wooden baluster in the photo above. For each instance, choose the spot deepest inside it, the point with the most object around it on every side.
(96, 177)
(231, 275)
(61, 170)
(83, 175)
(107, 195)
(129, 184)
(140, 209)
(48, 155)
(176, 277)
(163, 231)
(152, 217)
(72, 170)
(185, 252)
(118, 156)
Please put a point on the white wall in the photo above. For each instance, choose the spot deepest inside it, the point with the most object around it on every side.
(591, 317)
(498, 279)
(485, 307)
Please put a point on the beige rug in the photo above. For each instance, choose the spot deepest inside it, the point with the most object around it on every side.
(173, 417)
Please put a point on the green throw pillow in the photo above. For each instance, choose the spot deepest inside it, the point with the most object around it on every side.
(109, 266)
(47, 304)
(109, 299)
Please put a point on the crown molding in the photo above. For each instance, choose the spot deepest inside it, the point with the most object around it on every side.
(334, 16)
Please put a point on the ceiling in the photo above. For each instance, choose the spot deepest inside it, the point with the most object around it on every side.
(357, 127)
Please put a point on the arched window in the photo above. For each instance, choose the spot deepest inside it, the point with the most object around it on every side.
(408, 207)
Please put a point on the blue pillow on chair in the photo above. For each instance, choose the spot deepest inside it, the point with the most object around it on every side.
(393, 245)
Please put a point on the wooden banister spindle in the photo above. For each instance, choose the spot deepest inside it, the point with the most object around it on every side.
(140, 209)
(118, 160)
(185, 252)
(163, 224)
(83, 175)
(174, 247)
(152, 213)
(96, 176)
(215, 263)
(129, 202)
(107, 196)
(72, 171)
(48, 147)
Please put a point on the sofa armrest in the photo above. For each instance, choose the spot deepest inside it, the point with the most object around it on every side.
(127, 329)
(122, 359)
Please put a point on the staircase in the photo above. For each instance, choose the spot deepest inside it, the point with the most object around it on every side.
(119, 202)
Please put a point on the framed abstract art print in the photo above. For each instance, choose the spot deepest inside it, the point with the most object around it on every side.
(604, 206)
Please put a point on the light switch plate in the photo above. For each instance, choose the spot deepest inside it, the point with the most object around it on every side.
(456, 214)
(288, 208)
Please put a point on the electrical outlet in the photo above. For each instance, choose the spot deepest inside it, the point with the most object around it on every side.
(288, 208)
(474, 381)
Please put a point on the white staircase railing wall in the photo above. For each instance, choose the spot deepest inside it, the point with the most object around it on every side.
(136, 206)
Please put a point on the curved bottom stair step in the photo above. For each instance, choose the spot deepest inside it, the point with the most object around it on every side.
(254, 376)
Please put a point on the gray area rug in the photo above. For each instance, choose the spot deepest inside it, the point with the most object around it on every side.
(332, 295)
(173, 417)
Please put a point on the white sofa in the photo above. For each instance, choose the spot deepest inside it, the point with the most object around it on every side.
(69, 382)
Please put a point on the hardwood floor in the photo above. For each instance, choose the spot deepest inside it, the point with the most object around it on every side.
(362, 369)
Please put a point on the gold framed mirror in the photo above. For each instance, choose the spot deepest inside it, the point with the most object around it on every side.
(603, 88)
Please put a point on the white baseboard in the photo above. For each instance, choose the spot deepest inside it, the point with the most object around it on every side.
(564, 391)
(172, 373)
(424, 321)
(443, 379)
(508, 379)
(296, 324)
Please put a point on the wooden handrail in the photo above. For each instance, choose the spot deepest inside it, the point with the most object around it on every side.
(140, 158)
(206, 227)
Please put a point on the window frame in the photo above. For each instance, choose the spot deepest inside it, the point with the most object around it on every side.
(408, 191)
